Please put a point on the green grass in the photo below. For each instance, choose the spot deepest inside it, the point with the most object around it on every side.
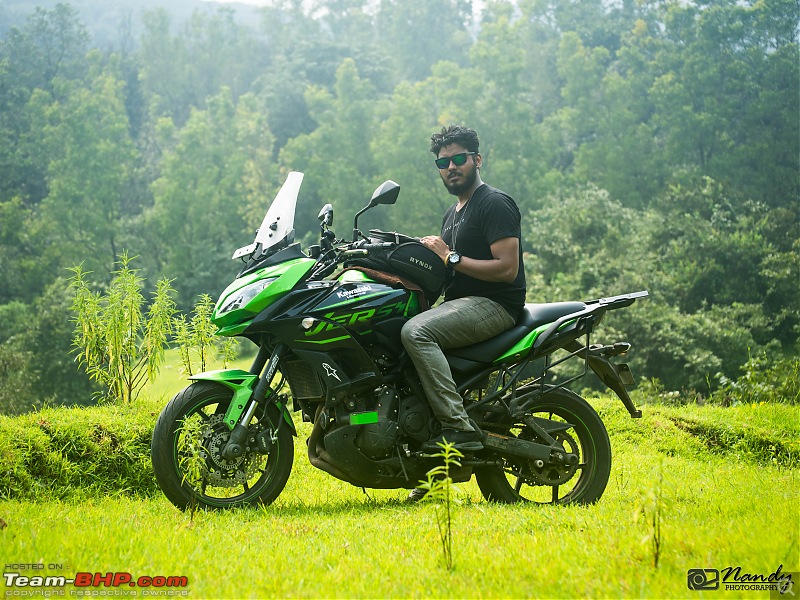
(728, 497)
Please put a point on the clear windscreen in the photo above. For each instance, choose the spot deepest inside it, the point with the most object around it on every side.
(277, 228)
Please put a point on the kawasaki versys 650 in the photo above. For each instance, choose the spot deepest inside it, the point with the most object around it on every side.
(327, 323)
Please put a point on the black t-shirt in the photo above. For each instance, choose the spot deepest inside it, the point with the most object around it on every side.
(490, 215)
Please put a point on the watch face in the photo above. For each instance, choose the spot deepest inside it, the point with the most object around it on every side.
(454, 258)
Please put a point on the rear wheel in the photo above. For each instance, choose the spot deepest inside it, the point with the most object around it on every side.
(522, 480)
(187, 452)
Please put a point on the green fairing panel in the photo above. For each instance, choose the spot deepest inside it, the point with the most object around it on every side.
(230, 377)
(233, 330)
(288, 274)
(242, 383)
(522, 347)
(413, 307)
(354, 276)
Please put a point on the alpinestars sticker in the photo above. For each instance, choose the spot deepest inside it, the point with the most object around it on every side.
(330, 371)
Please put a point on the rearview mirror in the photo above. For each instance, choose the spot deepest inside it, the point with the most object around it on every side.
(326, 215)
(386, 193)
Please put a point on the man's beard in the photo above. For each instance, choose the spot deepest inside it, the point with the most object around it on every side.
(455, 188)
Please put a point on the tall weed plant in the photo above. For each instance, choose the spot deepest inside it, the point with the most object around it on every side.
(196, 340)
(118, 339)
(439, 487)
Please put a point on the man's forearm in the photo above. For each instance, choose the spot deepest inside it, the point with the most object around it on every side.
(495, 269)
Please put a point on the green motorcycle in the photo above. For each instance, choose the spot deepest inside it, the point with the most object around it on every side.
(327, 322)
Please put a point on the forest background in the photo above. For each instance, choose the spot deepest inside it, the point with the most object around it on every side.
(650, 144)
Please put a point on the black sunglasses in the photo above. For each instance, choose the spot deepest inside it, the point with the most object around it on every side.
(458, 160)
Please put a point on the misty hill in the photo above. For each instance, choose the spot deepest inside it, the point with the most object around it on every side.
(103, 18)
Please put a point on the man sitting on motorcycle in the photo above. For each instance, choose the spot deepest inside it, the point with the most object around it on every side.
(480, 243)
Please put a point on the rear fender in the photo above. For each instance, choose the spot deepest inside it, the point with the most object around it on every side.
(611, 375)
(242, 383)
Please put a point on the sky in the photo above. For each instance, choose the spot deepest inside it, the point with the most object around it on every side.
(251, 2)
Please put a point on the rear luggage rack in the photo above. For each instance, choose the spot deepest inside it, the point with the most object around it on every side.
(563, 334)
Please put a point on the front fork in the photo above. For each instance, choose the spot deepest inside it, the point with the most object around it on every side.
(248, 391)
(238, 438)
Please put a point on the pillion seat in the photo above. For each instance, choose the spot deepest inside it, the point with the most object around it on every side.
(533, 316)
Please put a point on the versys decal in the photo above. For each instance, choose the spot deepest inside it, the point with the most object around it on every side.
(421, 263)
(359, 318)
(355, 292)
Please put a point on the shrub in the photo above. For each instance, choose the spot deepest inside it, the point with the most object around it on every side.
(195, 338)
(764, 379)
(119, 346)
(18, 382)
(77, 452)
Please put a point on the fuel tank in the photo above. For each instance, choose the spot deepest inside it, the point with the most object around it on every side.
(365, 308)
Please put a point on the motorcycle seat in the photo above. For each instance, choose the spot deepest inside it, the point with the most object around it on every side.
(532, 316)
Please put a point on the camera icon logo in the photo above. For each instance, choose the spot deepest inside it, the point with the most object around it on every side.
(703, 579)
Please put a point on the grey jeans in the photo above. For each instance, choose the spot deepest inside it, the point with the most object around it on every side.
(459, 322)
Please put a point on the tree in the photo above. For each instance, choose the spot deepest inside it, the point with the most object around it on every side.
(48, 337)
(401, 140)
(335, 157)
(85, 139)
(727, 100)
(36, 363)
(50, 47)
(23, 273)
(657, 93)
(18, 392)
(669, 132)
(703, 260)
(418, 34)
(181, 71)
(215, 185)
(18, 379)
(584, 244)
(513, 92)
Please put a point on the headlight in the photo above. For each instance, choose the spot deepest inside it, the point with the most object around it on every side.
(243, 296)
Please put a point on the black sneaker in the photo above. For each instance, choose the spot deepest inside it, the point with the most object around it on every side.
(416, 495)
(466, 441)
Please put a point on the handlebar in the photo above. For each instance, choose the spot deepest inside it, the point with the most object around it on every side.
(362, 249)
(378, 246)
(329, 258)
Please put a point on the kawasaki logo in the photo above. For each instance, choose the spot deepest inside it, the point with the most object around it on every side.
(420, 263)
(357, 291)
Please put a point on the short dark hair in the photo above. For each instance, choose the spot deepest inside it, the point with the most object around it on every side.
(455, 134)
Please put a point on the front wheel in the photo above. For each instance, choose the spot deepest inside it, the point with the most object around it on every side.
(187, 445)
(521, 480)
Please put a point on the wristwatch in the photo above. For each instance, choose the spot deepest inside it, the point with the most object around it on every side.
(452, 259)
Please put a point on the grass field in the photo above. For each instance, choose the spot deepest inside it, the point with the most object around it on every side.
(690, 488)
